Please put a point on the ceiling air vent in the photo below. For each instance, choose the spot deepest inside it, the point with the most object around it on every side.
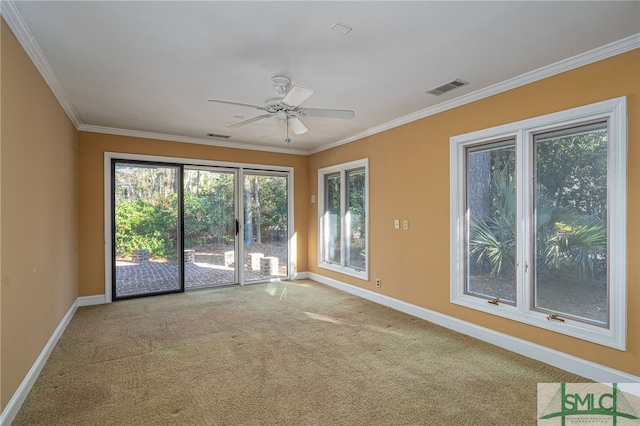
(215, 135)
(447, 87)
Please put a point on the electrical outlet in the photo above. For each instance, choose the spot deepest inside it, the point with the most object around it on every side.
(378, 282)
(405, 224)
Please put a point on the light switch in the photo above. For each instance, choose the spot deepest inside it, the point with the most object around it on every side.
(396, 224)
(405, 224)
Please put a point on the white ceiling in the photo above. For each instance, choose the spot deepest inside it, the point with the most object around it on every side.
(150, 66)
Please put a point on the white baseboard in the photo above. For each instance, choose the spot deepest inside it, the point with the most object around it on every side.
(570, 363)
(16, 401)
(300, 276)
(99, 299)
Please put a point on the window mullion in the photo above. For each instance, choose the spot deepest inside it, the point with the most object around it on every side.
(524, 215)
(343, 214)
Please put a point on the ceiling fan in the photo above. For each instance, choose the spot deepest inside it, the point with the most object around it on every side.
(285, 106)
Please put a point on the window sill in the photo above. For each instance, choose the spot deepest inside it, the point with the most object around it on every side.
(580, 330)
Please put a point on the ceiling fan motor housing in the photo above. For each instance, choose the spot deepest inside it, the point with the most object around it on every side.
(273, 103)
(281, 83)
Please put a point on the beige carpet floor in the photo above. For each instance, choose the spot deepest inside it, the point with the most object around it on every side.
(297, 353)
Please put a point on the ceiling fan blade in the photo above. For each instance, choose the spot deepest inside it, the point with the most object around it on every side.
(251, 120)
(220, 101)
(297, 126)
(297, 95)
(326, 113)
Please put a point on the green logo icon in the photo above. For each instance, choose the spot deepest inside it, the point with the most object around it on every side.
(585, 401)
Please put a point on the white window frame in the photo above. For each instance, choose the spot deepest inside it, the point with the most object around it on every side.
(614, 111)
(342, 169)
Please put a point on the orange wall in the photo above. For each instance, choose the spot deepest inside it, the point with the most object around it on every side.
(38, 280)
(92, 147)
(409, 179)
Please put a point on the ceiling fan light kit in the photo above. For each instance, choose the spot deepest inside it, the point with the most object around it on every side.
(285, 106)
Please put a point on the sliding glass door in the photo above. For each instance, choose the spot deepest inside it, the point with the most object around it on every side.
(209, 228)
(266, 221)
(179, 227)
(146, 229)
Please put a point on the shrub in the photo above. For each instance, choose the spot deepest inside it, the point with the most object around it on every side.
(141, 225)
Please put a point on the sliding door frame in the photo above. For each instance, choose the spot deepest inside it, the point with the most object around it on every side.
(180, 225)
(109, 158)
(242, 248)
(236, 212)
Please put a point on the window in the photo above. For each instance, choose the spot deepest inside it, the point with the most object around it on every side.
(343, 219)
(490, 226)
(538, 221)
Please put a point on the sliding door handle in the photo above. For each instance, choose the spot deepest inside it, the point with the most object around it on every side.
(237, 227)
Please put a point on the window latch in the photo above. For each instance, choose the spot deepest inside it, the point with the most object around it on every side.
(494, 301)
(555, 317)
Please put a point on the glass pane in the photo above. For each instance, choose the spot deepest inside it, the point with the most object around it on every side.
(355, 220)
(209, 228)
(490, 223)
(146, 229)
(266, 233)
(571, 222)
(332, 222)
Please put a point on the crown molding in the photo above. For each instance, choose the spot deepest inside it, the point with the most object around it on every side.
(12, 17)
(594, 55)
(187, 139)
(19, 28)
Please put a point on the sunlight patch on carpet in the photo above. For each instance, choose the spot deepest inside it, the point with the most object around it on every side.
(321, 317)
